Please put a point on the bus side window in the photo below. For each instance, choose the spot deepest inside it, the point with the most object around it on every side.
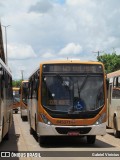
(35, 86)
(6, 80)
(2, 84)
(116, 81)
(116, 91)
(110, 93)
(28, 89)
(31, 89)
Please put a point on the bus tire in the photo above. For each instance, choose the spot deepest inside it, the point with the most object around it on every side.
(35, 124)
(31, 130)
(116, 132)
(16, 112)
(41, 140)
(7, 134)
(24, 118)
(91, 139)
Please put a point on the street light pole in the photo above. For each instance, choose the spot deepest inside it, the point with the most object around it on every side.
(22, 74)
(6, 42)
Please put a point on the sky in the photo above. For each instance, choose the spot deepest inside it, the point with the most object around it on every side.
(43, 30)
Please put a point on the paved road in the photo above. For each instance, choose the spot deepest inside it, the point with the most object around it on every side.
(21, 140)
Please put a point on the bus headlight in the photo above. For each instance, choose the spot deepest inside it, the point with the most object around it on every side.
(101, 119)
(45, 120)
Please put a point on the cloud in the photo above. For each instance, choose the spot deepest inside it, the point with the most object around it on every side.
(52, 29)
(71, 48)
(47, 55)
(20, 51)
(77, 2)
(42, 6)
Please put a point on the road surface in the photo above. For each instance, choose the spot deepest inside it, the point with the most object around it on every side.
(21, 140)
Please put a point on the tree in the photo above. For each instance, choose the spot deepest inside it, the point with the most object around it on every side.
(16, 83)
(110, 61)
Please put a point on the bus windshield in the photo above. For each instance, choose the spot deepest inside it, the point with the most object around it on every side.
(16, 95)
(72, 93)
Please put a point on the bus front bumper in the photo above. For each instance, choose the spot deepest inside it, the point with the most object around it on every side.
(52, 130)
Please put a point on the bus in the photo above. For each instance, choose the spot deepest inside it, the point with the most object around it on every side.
(6, 100)
(23, 99)
(67, 98)
(114, 102)
(16, 99)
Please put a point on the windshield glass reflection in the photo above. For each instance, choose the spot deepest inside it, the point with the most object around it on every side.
(72, 93)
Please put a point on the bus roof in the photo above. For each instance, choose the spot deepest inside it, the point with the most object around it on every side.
(69, 61)
(25, 81)
(65, 62)
(15, 88)
(113, 74)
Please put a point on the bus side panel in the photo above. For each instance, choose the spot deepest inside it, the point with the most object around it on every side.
(109, 106)
(4, 115)
(115, 111)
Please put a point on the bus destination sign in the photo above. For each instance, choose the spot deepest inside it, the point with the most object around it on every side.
(72, 68)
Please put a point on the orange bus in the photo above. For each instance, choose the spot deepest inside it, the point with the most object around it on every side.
(67, 98)
(6, 100)
(114, 102)
(23, 99)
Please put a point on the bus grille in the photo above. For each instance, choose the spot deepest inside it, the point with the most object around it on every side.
(64, 130)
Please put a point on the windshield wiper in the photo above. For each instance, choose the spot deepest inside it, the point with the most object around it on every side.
(62, 81)
(84, 82)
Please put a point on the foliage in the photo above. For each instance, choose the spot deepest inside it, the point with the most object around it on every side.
(16, 83)
(110, 61)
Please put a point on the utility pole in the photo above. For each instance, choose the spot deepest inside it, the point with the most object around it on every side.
(6, 42)
(22, 74)
(98, 52)
(114, 51)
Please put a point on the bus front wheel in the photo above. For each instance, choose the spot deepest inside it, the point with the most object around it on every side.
(116, 133)
(91, 139)
(41, 140)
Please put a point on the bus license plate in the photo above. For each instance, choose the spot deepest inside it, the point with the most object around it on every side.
(73, 133)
